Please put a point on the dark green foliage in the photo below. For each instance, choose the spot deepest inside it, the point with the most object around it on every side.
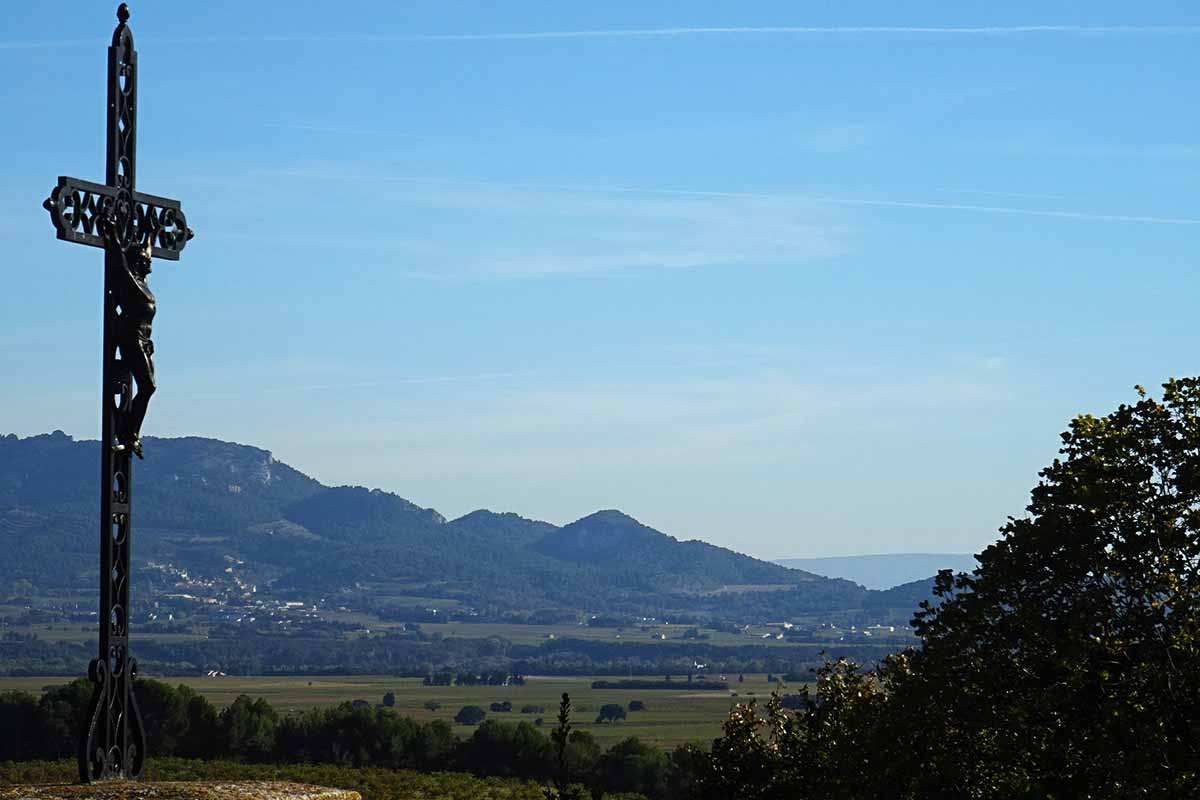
(470, 715)
(632, 766)
(342, 736)
(1067, 665)
(352, 513)
(509, 527)
(20, 727)
(164, 714)
(560, 737)
(389, 699)
(202, 739)
(245, 653)
(637, 705)
(248, 728)
(610, 712)
(362, 737)
(507, 749)
(616, 540)
(61, 714)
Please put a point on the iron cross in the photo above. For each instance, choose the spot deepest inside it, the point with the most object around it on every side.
(133, 228)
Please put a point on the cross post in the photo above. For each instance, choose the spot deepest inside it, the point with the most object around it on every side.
(132, 228)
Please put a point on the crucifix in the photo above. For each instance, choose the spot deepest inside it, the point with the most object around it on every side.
(132, 228)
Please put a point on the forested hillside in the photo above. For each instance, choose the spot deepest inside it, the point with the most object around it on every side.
(203, 505)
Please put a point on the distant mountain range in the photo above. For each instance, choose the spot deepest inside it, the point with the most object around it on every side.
(883, 571)
(214, 509)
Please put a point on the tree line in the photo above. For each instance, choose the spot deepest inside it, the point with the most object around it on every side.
(416, 654)
(182, 723)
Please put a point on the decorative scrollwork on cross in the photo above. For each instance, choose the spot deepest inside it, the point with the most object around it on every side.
(78, 210)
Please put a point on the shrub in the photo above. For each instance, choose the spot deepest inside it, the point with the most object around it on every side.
(610, 712)
(470, 715)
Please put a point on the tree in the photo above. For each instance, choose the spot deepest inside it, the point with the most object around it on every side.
(470, 715)
(434, 745)
(559, 737)
(631, 766)
(18, 726)
(61, 714)
(389, 699)
(610, 712)
(637, 705)
(827, 750)
(249, 727)
(685, 763)
(505, 749)
(583, 754)
(164, 711)
(1066, 665)
(1082, 622)
(202, 739)
(568, 759)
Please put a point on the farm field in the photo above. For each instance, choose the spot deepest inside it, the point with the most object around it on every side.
(515, 633)
(77, 633)
(671, 717)
(535, 634)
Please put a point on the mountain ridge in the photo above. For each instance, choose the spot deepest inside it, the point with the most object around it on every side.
(882, 570)
(204, 503)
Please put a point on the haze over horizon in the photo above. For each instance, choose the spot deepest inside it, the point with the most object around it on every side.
(835, 291)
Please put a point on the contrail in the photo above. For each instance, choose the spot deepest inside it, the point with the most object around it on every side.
(1085, 216)
(376, 384)
(647, 33)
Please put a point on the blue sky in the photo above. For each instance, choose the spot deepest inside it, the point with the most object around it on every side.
(798, 279)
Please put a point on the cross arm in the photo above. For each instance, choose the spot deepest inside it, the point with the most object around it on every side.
(76, 208)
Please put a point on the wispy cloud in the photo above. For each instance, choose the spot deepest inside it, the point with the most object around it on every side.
(1083, 216)
(359, 385)
(660, 33)
(991, 193)
(334, 129)
(524, 231)
(558, 426)
(1044, 145)
(832, 139)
